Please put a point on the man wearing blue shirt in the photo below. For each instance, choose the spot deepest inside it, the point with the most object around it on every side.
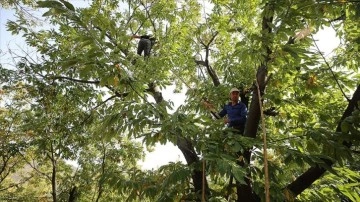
(235, 110)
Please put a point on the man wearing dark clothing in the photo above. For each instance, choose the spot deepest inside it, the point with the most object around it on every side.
(235, 110)
(145, 44)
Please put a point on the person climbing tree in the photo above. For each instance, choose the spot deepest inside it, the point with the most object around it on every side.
(235, 110)
(145, 44)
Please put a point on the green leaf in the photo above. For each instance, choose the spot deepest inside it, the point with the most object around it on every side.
(49, 4)
(236, 147)
(70, 63)
(288, 49)
(238, 174)
(49, 13)
(68, 5)
(87, 42)
(110, 45)
(345, 127)
(353, 196)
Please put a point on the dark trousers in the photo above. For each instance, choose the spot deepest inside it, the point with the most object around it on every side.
(144, 45)
(239, 129)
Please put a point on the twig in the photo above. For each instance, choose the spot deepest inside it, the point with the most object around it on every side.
(132, 87)
(34, 167)
(75, 80)
(16, 184)
(148, 15)
(203, 181)
(332, 72)
(103, 102)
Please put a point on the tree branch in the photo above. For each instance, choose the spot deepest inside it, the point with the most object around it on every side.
(212, 38)
(16, 184)
(34, 167)
(132, 15)
(112, 40)
(355, 151)
(200, 62)
(149, 16)
(5, 160)
(117, 94)
(186, 147)
(75, 80)
(53, 173)
(315, 172)
(209, 69)
(341, 17)
(101, 183)
(328, 65)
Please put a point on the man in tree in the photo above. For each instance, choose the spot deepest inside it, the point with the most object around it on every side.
(145, 44)
(235, 110)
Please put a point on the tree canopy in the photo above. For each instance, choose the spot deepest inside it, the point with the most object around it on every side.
(87, 97)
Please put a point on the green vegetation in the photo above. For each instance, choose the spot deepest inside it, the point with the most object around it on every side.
(86, 97)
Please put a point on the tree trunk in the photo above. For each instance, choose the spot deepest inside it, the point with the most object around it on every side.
(191, 158)
(53, 182)
(101, 181)
(53, 174)
(73, 194)
(244, 191)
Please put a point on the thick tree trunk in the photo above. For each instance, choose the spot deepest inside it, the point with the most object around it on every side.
(244, 191)
(308, 177)
(191, 158)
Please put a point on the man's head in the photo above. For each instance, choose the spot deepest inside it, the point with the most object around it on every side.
(234, 95)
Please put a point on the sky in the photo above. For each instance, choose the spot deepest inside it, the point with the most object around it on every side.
(326, 40)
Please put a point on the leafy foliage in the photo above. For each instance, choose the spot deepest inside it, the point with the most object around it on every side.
(86, 97)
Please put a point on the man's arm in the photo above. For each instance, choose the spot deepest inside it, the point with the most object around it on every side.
(210, 106)
(135, 37)
(223, 112)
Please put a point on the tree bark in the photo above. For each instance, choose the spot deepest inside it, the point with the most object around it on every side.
(209, 69)
(73, 194)
(101, 181)
(53, 174)
(244, 191)
(186, 147)
(305, 180)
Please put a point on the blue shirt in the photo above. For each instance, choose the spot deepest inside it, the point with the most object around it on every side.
(236, 114)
